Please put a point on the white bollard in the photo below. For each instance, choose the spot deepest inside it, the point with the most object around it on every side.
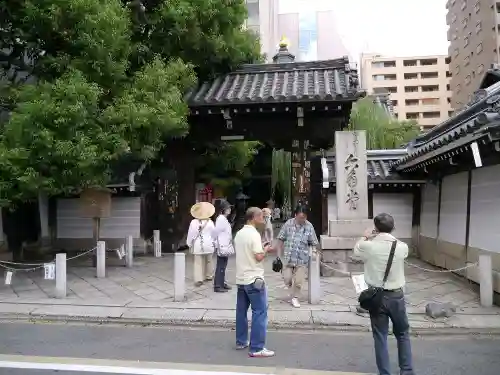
(157, 249)
(61, 276)
(485, 280)
(129, 252)
(314, 281)
(101, 259)
(179, 277)
(156, 238)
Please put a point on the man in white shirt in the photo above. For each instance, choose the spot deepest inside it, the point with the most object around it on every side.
(250, 255)
(374, 249)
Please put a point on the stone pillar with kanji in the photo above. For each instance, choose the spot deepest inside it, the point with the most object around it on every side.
(301, 173)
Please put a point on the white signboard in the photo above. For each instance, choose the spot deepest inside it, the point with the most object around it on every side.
(359, 283)
(50, 271)
(8, 277)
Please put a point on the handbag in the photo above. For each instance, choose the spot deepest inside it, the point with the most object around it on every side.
(277, 265)
(225, 251)
(371, 299)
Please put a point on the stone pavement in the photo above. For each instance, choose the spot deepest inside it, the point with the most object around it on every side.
(144, 294)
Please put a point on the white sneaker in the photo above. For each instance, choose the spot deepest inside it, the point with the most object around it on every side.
(264, 353)
(295, 302)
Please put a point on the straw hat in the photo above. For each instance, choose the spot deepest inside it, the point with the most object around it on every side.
(202, 210)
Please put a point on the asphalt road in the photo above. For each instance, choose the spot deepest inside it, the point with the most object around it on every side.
(313, 350)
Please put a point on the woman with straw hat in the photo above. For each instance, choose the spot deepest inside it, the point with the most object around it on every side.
(200, 241)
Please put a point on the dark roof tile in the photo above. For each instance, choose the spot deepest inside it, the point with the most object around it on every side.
(329, 80)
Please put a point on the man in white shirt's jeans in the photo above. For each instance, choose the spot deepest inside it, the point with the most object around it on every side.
(373, 249)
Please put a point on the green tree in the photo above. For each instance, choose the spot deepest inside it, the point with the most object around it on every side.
(87, 82)
(382, 130)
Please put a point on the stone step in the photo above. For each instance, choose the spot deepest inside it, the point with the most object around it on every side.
(348, 228)
(337, 242)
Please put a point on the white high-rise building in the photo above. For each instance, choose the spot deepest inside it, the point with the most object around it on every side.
(263, 19)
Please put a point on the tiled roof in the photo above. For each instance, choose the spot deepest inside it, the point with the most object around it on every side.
(462, 128)
(379, 165)
(330, 80)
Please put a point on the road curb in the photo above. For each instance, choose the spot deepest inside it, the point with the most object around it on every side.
(222, 323)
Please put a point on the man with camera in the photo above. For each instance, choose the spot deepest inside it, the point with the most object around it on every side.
(383, 257)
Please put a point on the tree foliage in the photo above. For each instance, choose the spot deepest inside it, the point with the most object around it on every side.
(382, 130)
(87, 82)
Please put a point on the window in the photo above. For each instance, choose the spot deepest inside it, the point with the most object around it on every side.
(384, 77)
(478, 27)
(447, 60)
(430, 88)
(448, 74)
(467, 79)
(253, 14)
(448, 100)
(377, 64)
(427, 75)
(477, 6)
(385, 90)
(466, 41)
(479, 48)
(427, 62)
(448, 87)
(411, 88)
(394, 103)
(410, 62)
(430, 101)
(450, 113)
(411, 75)
(467, 60)
(412, 115)
(389, 64)
(433, 114)
(480, 68)
(411, 101)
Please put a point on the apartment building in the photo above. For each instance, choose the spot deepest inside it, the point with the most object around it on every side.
(473, 34)
(419, 86)
(263, 19)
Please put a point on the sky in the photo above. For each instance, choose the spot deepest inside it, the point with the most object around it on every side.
(388, 27)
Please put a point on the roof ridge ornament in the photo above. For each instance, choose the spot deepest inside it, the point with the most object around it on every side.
(283, 55)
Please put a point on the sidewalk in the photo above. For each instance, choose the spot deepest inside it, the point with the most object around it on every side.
(144, 295)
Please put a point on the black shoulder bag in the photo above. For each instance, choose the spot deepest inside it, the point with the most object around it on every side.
(371, 298)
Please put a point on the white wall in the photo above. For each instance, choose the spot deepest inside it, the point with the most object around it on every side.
(452, 223)
(429, 213)
(125, 219)
(400, 206)
(484, 230)
(332, 207)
